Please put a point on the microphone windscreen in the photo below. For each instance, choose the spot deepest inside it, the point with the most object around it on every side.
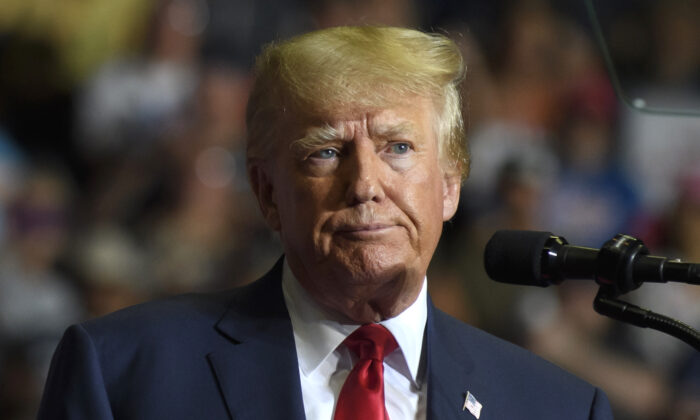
(515, 256)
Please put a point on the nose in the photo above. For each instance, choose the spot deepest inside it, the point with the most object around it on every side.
(364, 174)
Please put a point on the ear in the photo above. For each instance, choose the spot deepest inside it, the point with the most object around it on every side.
(262, 186)
(451, 185)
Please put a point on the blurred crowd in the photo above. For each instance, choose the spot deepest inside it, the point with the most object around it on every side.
(122, 169)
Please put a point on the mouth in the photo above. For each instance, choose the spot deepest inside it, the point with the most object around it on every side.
(364, 227)
(365, 231)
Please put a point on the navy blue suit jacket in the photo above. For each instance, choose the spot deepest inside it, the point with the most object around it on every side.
(232, 355)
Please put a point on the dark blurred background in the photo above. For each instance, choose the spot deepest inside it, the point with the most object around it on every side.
(122, 170)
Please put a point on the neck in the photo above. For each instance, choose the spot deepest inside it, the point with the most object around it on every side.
(361, 310)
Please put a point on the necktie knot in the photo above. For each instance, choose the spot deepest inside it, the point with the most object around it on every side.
(362, 395)
(371, 341)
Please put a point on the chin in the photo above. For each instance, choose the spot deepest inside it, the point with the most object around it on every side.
(371, 265)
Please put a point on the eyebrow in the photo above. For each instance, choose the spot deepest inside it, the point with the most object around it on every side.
(388, 131)
(318, 136)
(315, 137)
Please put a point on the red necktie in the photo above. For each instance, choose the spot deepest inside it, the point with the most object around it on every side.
(362, 396)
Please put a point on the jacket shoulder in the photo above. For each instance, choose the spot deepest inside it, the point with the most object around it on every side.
(176, 315)
(161, 316)
(511, 379)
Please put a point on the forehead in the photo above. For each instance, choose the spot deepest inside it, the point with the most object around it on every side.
(413, 116)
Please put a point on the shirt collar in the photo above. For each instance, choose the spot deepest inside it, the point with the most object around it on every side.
(317, 334)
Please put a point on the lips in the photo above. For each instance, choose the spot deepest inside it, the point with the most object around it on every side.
(366, 232)
(370, 227)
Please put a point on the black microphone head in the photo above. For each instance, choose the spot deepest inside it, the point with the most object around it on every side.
(515, 256)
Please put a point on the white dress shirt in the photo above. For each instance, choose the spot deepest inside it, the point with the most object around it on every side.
(324, 362)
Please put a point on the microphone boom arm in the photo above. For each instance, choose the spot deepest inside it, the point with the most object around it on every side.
(632, 314)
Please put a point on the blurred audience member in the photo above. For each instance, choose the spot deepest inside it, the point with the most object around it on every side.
(36, 301)
(113, 270)
(497, 145)
(592, 199)
(530, 65)
(131, 101)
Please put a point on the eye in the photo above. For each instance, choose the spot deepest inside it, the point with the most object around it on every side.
(328, 153)
(399, 148)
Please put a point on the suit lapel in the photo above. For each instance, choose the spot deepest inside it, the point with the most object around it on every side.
(258, 374)
(451, 371)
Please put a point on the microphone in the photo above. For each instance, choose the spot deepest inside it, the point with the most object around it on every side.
(542, 259)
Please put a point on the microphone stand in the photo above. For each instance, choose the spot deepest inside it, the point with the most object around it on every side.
(614, 274)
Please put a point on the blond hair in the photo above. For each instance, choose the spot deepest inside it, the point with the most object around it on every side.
(320, 72)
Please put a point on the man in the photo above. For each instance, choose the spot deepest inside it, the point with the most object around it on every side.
(356, 157)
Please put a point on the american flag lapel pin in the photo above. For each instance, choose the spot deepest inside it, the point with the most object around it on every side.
(471, 404)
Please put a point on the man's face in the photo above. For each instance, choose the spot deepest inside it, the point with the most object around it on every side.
(359, 203)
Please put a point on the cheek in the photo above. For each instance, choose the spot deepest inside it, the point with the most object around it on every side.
(420, 197)
(314, 197)
(306, 205)
(429, 188)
